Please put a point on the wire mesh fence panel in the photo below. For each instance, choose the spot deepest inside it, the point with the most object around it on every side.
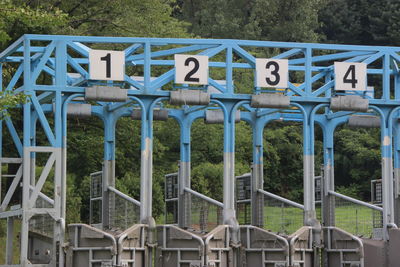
(122, 212)
(171, 212)
(42, 223)
(355, 218)
(281, 217)
(41, 202)
(203, 216)
(243, 212)
(318, 211)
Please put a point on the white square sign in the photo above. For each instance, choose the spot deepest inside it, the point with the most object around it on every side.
(106, 65)
(350, 76)
(272, 73)
(191, 69)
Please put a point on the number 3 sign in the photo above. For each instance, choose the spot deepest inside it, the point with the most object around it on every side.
(106, 65)
(272, 72)
(191, 69)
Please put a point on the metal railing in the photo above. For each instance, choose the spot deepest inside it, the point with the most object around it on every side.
(205, 213)
(124, 211)
(280, 214)
(355, 216)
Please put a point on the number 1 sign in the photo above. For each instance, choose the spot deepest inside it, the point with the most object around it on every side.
(191, 69)
(107, 65)
(350, 76)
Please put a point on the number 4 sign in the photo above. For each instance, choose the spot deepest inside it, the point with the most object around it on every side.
(107, 65)
(350, 76)
(191, 69)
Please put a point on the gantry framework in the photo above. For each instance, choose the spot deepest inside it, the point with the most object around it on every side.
(292, 81)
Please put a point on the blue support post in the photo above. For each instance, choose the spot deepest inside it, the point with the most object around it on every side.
(328, 201)
(396, 168)
(184, 209)
(308, 166)
(26, 156)
(229, 212)
(386, 77)
(387, 169)
(109, 120)
(257, 200)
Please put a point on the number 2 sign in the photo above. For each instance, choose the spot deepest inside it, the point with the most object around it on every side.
(106, 65)
(350, 76)
(191, 69)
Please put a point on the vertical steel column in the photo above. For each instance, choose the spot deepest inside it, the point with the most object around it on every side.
(308, 146)
(146, 163)
(396, 171)
(1, 121)
(328, 202)
(60, 179)
(10, 239)
(328, 177)
(146, 160)
(396, 127)
(387, 153)
(34, 118)
(229, 212)
(184, 172)
(387, 170)
(387, 181)
(109, 166)
(229, 147)
(308, 167)
(26, 156)
(257, 177)
(328, 184)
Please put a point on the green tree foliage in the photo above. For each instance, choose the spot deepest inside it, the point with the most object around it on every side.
(357, 158)
(8, 100)
(18, 17)
(255, 19)
(137, 18)
(361, 22)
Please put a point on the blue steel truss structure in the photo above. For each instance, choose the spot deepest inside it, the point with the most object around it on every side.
(53, 72)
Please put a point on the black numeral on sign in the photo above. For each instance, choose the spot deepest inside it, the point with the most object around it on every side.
(188, 77)
(107, 59)
(351, 71)
(274, 72)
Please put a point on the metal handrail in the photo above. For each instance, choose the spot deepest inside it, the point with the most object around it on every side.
(284, 200)
(43, 196)
(355, 201)
(124, 196)
(206, 198)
